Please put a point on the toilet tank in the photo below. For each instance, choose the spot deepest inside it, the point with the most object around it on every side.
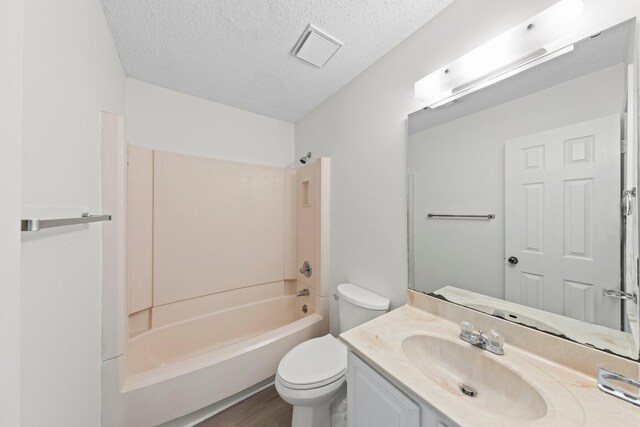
(357, 305)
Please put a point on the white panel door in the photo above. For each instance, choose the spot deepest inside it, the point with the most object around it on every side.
(563, 220)
(372, 401)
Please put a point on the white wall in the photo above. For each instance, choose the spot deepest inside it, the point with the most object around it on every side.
(11, 27)
(167, 120)
(459, 167)
(71, 73)
(363, 129)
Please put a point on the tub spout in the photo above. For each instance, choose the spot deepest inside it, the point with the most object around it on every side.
(303, 293)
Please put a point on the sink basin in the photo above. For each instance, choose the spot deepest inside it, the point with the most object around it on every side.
(463, 369)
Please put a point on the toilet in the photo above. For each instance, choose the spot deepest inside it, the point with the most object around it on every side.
(313, 373)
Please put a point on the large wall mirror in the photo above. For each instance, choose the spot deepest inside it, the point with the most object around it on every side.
(521, 198)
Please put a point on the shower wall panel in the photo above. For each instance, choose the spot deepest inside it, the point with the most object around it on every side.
(290, 224)
(218, 226)
(139, 228)
(308, 235)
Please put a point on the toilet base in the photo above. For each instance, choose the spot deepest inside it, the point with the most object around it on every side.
(311, 416)
(312, 408)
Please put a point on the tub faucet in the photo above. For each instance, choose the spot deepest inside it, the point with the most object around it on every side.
(492, 343)
(303, 293)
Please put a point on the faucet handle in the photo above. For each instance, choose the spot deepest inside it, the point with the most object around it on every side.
(466, 328)
(496, 340)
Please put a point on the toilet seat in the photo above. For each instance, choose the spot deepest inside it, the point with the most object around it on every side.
(313, 364)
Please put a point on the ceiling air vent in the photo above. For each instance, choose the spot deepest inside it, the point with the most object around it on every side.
(315, 46)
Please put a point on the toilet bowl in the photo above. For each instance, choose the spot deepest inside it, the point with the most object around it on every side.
(309, 377)
(312, 374)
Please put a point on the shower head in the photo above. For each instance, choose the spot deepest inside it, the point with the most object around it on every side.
(304, 159)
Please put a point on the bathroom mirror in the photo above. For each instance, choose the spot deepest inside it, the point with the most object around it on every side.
(521, 198)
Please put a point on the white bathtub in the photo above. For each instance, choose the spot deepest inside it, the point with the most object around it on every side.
(174, 370)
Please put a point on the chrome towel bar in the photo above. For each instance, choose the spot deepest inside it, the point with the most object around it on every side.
(482, 216)
(40, 224)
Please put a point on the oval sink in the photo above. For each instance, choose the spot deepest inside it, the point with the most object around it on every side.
(464, 370)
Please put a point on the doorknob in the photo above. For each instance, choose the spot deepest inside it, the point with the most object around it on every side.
(512, 260)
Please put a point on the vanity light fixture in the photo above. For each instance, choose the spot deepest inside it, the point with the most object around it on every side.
(534, 41)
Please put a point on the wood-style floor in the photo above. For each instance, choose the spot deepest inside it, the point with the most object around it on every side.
(263, 409)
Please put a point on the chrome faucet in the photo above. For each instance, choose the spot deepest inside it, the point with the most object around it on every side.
(303, 293)
(492, 343)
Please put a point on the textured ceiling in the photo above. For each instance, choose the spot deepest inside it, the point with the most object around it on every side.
(237, 52)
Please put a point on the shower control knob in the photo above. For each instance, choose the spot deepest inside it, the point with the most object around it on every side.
(512, 260)
(306, 269)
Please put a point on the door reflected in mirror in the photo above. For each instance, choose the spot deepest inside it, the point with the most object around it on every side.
(520, 196)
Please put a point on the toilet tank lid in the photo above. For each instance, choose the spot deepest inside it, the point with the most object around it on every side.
(362, 297)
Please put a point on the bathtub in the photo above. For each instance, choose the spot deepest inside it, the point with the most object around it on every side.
(179, 368)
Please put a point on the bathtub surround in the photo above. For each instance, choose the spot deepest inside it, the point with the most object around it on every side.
(206, 234)
(213, 254)
(217, 226)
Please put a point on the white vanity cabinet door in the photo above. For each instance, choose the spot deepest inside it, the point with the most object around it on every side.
(372, 401)
(430, 418)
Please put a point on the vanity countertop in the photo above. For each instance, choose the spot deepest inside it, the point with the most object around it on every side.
(572, 397)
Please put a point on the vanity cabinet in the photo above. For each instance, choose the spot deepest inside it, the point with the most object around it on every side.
(430, 418)
(373, 401)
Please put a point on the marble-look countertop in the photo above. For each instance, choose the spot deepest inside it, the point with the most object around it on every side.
(572, 397)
